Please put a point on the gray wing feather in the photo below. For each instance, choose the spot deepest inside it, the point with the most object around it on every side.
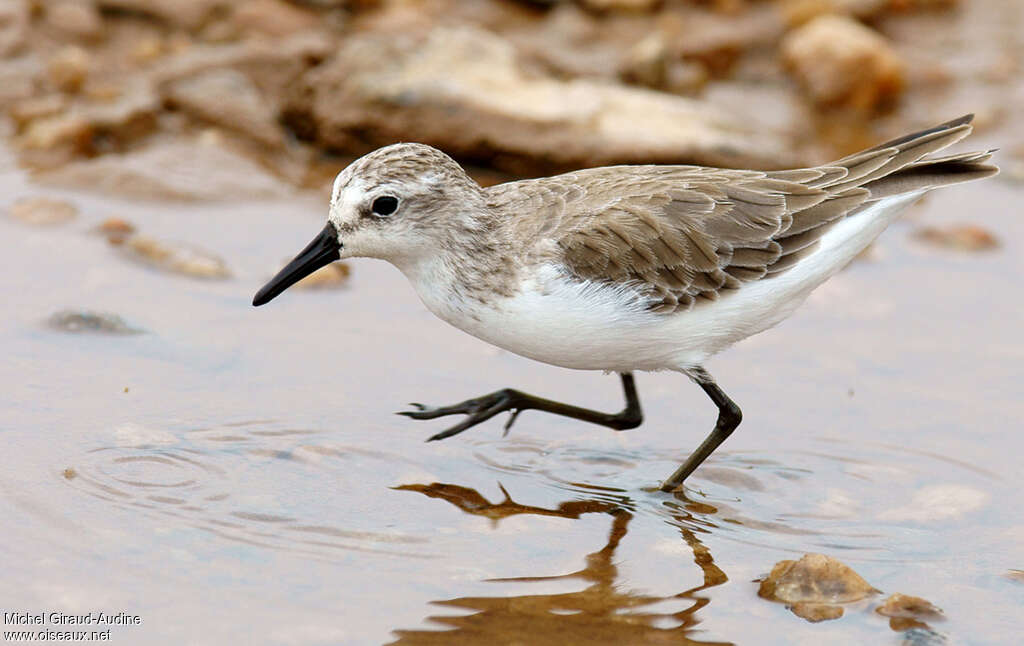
(685, 233)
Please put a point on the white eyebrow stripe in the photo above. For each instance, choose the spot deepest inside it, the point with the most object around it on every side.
(344, 184)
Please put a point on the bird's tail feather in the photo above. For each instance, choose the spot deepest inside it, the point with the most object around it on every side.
(933, 173)
(902, 165)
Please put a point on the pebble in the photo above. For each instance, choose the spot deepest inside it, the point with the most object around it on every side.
(273, 18)
(38, 107)
(905, 605)
(76, 19)
(79, 321)
(175, 257)
(962, 237)
(841, 63)
(814, 585)
(117, 230)
(68, 68)
(907, 614)
(620, 5)
(332, 276)
(42, 211)
(14, 26)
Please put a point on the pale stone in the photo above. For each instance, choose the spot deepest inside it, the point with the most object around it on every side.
(229, 99)
(69, 67)
(841, 63)
(75, 19)
(175, 257)
(816, 578)
(177, 170)
(42, 210)
(464, 91)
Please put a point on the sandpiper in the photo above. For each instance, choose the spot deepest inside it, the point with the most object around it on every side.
(621, 268)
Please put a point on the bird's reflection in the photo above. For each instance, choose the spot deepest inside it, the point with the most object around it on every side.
(601, 613)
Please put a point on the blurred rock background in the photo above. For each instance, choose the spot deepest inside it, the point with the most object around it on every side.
(202, 99)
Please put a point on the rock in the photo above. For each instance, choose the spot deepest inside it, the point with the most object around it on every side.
(177, 171)
(175, 257)
(841, 63)
(76, 19)
(272, 67)
(815, 612)
(571, 42)
(910, 5)
(227, 98)
(38, 107)
(798, 12)
(58, 130)
(79, 321)
(910, 613)
(718, 41)
(620, 5)
(19, 79)
(42, 211)
(273, 18)
(650, 63)
(814, 585)
(146, 49)
(646, 62)
(14, 26)
(68, 68)
(93, 127)
(904, 605)
(187, 14)
(463, 90)
(116, 230)
(332, 276)
(962, 237)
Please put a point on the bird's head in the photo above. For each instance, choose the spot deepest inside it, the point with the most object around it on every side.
(401, 203)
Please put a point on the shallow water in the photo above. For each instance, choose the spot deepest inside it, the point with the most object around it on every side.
(235, 473)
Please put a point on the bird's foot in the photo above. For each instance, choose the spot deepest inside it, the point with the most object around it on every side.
(476, 410)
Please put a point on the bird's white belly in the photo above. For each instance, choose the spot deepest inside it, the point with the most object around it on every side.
(586, 326)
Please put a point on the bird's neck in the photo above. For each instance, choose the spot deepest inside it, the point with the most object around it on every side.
(475, 271)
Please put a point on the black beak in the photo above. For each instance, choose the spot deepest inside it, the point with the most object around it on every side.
(323, 250)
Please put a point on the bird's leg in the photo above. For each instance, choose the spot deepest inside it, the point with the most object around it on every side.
(729, 417)
(480, 409)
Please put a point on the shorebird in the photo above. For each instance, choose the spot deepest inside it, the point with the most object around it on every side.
(620, 268)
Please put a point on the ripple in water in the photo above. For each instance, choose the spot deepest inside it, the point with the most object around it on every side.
(239, 482)
(840, 496)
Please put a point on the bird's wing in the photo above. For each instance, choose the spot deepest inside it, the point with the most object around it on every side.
(683, 234)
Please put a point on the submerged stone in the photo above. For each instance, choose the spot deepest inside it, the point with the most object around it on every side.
(905, 605)
(814, 585)
(333, 275)
(117, 230)
(42, 210)
(176, 257)
(962, 237)
(85, 321)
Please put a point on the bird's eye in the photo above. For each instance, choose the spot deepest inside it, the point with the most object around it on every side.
(384, 205)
